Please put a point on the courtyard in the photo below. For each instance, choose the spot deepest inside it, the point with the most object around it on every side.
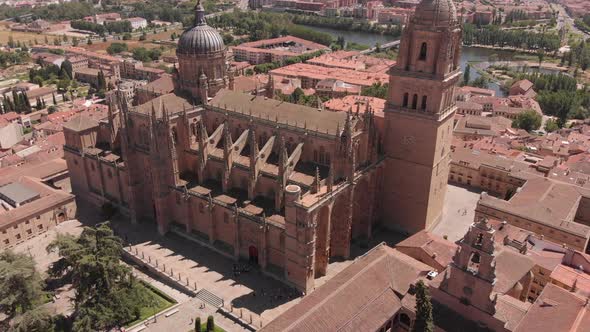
(458, 212)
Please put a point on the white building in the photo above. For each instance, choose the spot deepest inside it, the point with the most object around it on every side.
(137, 22)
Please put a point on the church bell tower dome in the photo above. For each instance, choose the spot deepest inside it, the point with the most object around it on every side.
(438, 13)
(201, 53)
(201, 38)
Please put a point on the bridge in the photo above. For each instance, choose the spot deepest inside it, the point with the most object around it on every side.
(386, 46)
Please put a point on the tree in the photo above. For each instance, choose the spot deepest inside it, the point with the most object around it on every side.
(102, 83)
(37, 319)
(424, 321)
(541, 56)
(480, 82)
(63, 85)
(107, 295)
(528, 120)
(115, 48)
(210, 324)
(551, 126)
(89, 41)
(75, 41)
(198, 324)
(66, 69)
(467, 75)
(20, 283)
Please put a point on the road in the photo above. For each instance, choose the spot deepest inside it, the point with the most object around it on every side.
(565, 19)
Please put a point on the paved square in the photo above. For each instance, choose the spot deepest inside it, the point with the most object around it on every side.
(458, 212)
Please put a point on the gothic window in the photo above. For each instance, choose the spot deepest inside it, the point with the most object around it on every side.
(423, 52)
(315, 155)
(405, 104)
(424, 103)
(194, 129)
(415, 101)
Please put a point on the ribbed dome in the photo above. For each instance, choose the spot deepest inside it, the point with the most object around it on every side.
(436, 13)
(201, 39)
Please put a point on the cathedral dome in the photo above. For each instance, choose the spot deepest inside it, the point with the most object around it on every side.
(201, 39)
(436, 13)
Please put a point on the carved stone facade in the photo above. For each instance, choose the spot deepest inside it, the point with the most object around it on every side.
(285, 186)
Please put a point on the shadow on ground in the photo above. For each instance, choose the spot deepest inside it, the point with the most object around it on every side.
(267, 293)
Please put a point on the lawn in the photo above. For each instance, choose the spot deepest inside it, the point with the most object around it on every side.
(156, 301)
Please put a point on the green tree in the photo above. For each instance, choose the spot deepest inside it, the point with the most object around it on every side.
(198, 324)
(467, 75)
(35, 320)
(551, 126)
(102, 83)
(210, 324)
(75, 41)
(376, 90)
(66, 69)
(20, 283)
(480, 82)
(115, 48)
(540, 56)
(528, 120)
(107, 295)
(63, 85)
(424, 321)
(297, 95)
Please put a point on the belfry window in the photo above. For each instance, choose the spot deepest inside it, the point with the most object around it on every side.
(415, 102)
(405, 103)
(423, 52)
(473, 264)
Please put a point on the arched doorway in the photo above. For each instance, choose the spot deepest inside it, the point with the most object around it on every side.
(253, 254)
(61, 217)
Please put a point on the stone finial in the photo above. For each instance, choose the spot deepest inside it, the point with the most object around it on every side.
(316, 181)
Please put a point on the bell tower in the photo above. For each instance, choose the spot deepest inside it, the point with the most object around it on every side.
(472, 274)
(419, 117)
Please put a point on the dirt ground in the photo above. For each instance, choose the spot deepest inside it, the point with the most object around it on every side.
(5, 34)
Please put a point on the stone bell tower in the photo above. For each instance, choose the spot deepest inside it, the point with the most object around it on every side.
(472, 274)
(419, 117)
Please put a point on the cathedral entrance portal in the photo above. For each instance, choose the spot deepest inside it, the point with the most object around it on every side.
(253, 254)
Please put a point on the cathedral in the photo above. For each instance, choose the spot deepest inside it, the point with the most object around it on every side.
(285, 186)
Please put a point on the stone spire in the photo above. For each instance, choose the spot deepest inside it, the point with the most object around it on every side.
(200, 14)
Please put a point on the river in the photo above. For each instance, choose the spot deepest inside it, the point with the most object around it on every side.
(469, 54)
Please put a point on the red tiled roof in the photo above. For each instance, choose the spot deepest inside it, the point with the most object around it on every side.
(556, 310)
(359, 298)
